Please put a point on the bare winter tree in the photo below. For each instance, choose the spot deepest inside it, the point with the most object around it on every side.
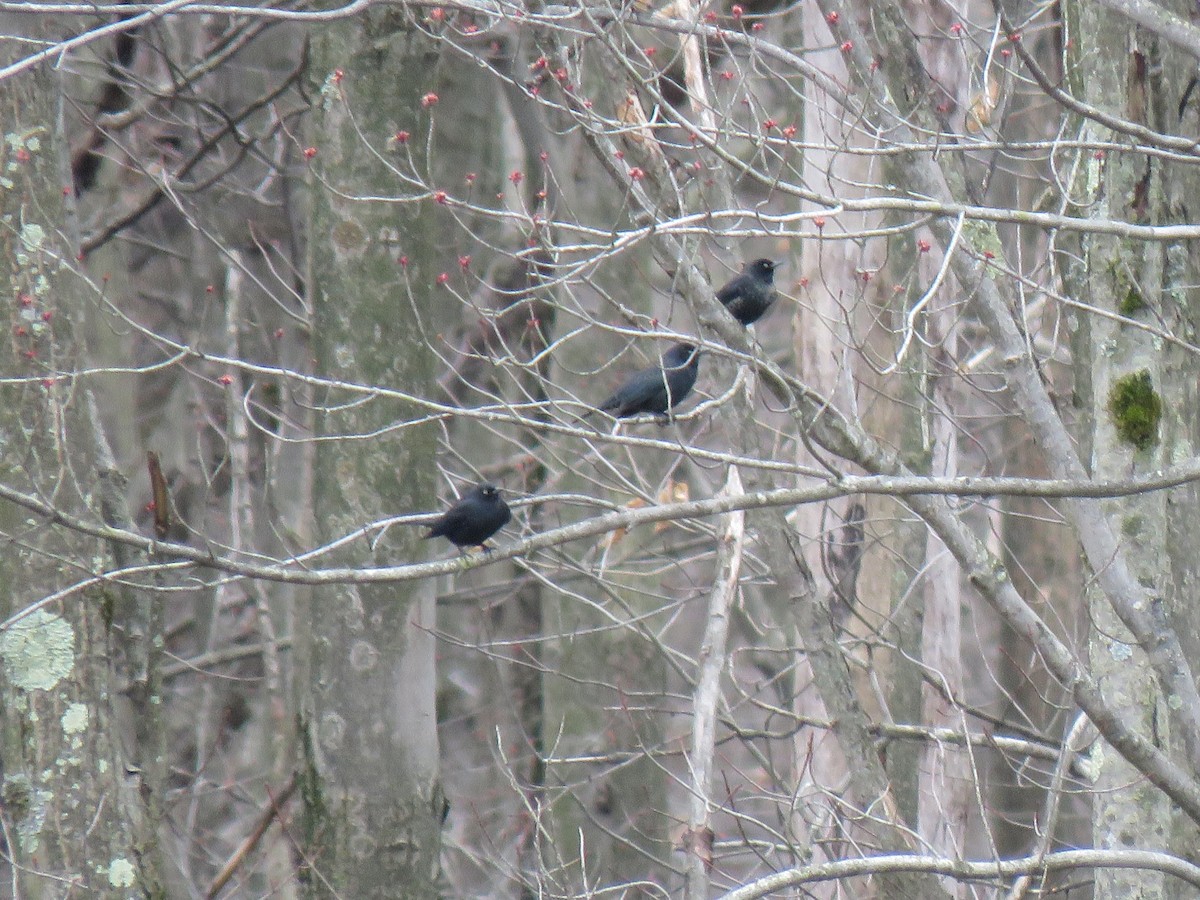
(896, 603)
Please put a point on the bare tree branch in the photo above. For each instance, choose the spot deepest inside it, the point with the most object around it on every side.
(970, 871)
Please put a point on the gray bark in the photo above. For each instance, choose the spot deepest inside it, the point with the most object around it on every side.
(373, 803)
(1143, 283)
(71, 807)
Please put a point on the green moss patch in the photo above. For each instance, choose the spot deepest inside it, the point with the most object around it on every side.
(1136, 409)
(1132, 303)
(1130, 300)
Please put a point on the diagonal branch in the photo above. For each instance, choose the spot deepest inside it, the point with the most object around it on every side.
(1165, 24)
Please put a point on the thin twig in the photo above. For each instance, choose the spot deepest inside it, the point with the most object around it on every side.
(268, 815)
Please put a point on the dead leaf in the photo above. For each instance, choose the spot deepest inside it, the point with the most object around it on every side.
(981, 107)
(672, 492)
(615, 536)
(700, 842)
(630, 113)
(161, 499)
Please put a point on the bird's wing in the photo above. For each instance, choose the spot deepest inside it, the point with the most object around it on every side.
(731, 291)
(655, 396)
(614, 401)
(644, 391)
(449, 521)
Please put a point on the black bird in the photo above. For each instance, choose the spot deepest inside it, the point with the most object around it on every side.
(473, 519)
(750, 294)
(658, 388)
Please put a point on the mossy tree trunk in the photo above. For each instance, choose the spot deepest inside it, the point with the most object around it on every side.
(1141, 398)
(373, 806)
(74, 818)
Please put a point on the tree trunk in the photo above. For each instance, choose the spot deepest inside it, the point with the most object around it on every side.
(1141, 402)
(373, 803)
(72, 810)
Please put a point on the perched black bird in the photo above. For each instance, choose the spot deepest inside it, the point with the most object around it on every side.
(658, 388)
(750, 294)
(473, 519)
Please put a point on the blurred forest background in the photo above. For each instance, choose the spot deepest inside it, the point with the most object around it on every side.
(896, 607)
